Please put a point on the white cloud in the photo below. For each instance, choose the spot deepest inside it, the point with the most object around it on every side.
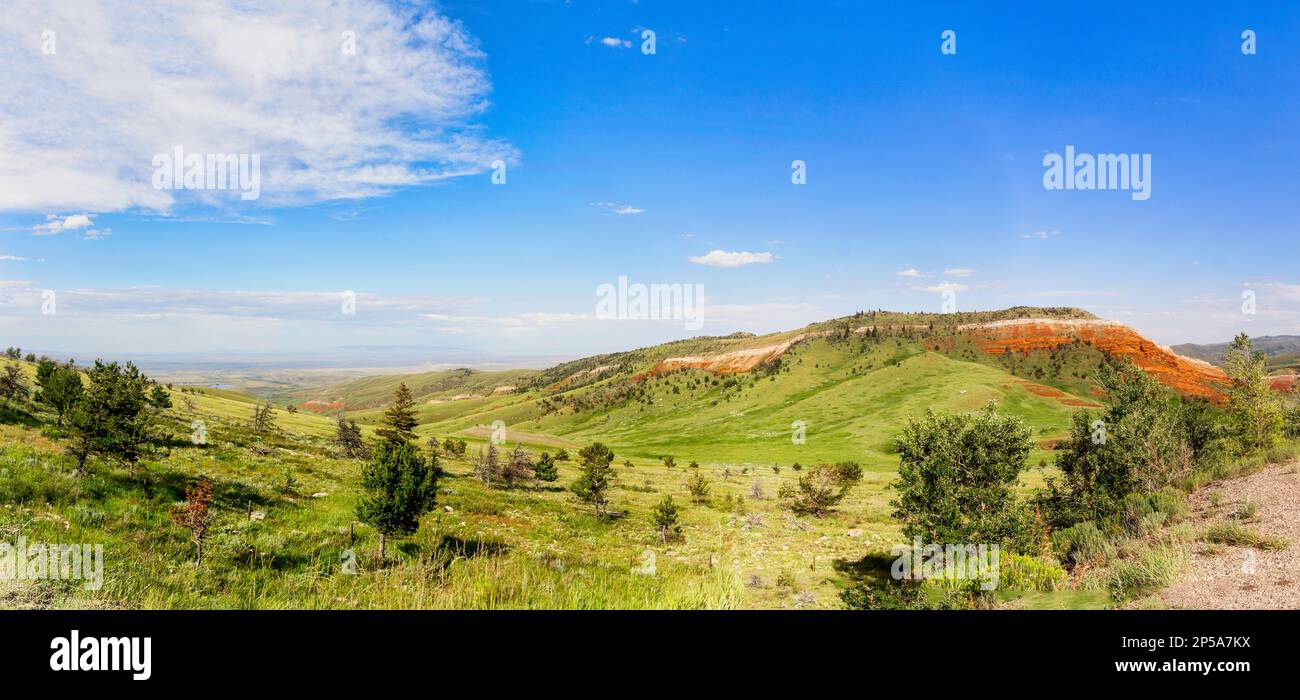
(12, 258)
(1041, 235)
(615, 43)
(909, 272)
(722, 258)
(618, 208)
(959, 272)
(58, 224)
(129, 81)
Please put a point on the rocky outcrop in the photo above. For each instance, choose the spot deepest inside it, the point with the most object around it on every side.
(733, 362)
(1188, 376)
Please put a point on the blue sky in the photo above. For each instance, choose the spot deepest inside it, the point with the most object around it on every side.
(627, 164)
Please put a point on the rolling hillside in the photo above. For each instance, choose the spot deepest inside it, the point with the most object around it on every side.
(851, 382)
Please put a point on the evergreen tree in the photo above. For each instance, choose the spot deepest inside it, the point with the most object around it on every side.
(593, 485)
(487, 466)
(518, 467)
(399, 419)
(347, 435)
(13, 385)
(665, 519)
(111, 419)
(698, 486)
(545, 470)
(400, 487)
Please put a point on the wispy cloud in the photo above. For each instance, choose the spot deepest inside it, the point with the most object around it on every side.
(1041, 235)
(910, 272)
(722, 258)
(612, 42)
(619, 208)
(129, 81)
(12, 258)
(959, 272)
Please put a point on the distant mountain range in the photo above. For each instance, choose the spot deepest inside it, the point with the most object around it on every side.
(1283, 351)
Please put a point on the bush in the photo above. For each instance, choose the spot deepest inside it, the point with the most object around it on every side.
(956, 475)
(1082, 544)
(1139, 444)
(1018, 572)
(898, 595)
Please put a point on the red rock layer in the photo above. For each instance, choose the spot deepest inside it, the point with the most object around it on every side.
(1191, 377)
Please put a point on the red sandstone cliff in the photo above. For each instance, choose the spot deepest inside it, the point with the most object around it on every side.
(1189, 376)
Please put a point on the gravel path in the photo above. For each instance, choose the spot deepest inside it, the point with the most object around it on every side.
(1243, 578)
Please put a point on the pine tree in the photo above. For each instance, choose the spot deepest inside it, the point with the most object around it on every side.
(593, 485)
(54, 389)
(400, 487)
(347, 435)
(665, 519)
(487, 466)
(545, 470)
(400, 419)
(698, 487)
(13, 385)
(111, 419)
(518, 467)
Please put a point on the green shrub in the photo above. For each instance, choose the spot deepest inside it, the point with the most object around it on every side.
(1083, 544)
(1141, 443)
(956, 474)
(1019, 572)
(900, 595)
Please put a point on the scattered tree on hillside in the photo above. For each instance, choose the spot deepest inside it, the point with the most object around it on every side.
(13, 385)
(487, 465)
(592, 485)
(956, 473)
(562, 455)
(196, 515)
(698, 486)
(111, 420)
(545, 470)
(665, 519)
(1254, 410)
(670, 462)
(159, 398)
(823, 487)
(60, 387)
(347, 435)
(400, 486)
(455, 447)
(518, 466)
(399, 419)
(263, 417)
